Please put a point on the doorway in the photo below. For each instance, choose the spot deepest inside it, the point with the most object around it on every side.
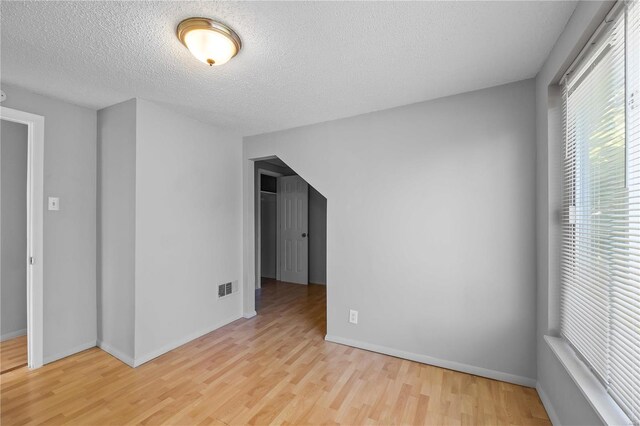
(13, 227)
(21, 252)
(290, 224)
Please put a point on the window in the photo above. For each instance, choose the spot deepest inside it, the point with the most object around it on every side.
(600, 265)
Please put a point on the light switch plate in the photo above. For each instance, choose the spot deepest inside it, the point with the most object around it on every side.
(54, 203)
(353, 316)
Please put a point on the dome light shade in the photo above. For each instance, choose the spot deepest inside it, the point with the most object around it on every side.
(209, 41)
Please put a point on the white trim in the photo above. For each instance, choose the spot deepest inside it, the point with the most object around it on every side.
(609, 412)
(138, 361)
(278, 231)
(269, 173)
(602, 28)
(69, 352)
(248, 236)
(551, 412)
(12, 334)
(425, 359)
(258, 219)
(115, 353)
(35, 231)
(248, 315)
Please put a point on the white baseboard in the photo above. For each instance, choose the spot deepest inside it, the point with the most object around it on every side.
(12, 334)
(551, 412)
(425, 359)
(69, 352)
(251, 314)
(186, 339)
(116, 353)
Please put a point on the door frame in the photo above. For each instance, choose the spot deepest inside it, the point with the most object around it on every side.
(258, 236)
(35, 231)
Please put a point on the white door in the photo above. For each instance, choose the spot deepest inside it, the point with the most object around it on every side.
(293, 202)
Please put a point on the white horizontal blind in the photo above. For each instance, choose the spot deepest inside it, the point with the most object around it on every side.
(600, 265)
(594, 184)
(624, 358)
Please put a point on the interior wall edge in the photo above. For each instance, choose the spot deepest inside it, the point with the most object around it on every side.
(116, 353)
(548, 405)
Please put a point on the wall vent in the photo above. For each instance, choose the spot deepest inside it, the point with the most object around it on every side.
(226, 289)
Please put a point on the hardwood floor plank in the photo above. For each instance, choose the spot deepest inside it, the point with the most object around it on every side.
(13, 354)
(275, 368)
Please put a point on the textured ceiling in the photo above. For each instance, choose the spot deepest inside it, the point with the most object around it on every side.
(301, 62)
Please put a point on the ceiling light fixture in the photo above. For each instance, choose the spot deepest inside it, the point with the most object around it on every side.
(209, 41)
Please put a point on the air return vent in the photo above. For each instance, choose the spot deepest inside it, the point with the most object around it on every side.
(225, 289)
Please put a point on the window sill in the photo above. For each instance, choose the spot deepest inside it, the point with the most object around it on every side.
(602, 403)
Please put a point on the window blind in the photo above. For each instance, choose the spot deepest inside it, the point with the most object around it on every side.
(600, 264)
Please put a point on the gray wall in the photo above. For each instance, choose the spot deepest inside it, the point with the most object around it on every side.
(565, 403)
(116, 227)
(170, 229)
(13, 228)
(431, 230)
(188, 228)
(269, 234)
(317, 237)
(69, 234)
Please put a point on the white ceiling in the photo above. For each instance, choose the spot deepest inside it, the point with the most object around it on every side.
(301, 62)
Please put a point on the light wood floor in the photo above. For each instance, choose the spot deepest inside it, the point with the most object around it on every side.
(13, 354)
(273, 368)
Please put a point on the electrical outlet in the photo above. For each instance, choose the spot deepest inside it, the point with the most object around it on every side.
(353, 316)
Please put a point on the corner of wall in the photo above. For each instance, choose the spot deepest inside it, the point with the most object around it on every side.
(116, 353)
(548, 406)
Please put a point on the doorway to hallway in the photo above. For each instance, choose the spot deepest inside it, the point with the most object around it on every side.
(290, 228)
